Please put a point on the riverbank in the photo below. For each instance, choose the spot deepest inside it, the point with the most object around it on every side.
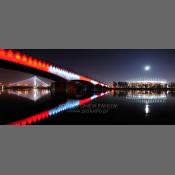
(158, 89)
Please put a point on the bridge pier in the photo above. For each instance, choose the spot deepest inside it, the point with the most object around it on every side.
(100, 89)
(79, 87)
(76, 87)
(59, 87)
(71, 87)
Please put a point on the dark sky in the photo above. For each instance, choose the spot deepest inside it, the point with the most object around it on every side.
(111, 65)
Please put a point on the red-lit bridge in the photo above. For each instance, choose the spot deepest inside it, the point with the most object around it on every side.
(21, 62)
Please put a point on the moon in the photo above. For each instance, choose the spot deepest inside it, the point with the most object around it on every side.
(147, 68)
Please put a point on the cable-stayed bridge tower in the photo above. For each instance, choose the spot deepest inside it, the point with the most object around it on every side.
(33, 82)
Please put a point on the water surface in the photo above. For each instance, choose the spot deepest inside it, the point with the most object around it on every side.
(21, 107)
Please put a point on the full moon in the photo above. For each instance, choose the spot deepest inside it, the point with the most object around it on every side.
(147, 68)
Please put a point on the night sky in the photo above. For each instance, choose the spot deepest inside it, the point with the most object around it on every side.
(106, 65)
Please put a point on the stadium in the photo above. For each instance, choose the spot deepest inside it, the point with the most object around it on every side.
(148, 83)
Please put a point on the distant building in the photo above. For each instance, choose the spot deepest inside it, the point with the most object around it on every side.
(114, 84)
(171, 85)
(148, 84)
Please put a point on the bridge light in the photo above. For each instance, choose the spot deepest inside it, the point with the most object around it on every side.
(84, 79)
(39, 63)
(47, 66)
(29, 121)
(54, 69)
(94, 82)
(18, 56)
(23, 123)
(43, 65)
(93, 97)
(35, 62)
(2, 52)
(10, 54)
(24, 58)
(30, 61)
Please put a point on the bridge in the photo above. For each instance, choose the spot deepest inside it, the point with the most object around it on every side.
(32, 82)
(63, 78)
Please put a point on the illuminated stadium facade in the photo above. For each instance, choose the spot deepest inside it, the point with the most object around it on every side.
(147, 83)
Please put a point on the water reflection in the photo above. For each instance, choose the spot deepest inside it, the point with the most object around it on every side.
(70, 104)
(147, 109)
(32, 94)
(145, 97)
(145, 106)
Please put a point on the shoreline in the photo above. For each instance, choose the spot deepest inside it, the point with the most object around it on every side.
(158, 89)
